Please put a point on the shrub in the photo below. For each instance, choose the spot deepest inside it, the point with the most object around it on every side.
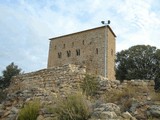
(30, 111)
(10, 71)
(155, 96)
(3, 95)
(90, 85)
(72, 107)
(157, 84)
(116, 95)
(122, 97)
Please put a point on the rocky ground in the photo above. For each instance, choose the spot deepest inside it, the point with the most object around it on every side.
(114, 100)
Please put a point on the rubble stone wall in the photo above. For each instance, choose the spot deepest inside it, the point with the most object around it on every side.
(66, 78)
(49, 79)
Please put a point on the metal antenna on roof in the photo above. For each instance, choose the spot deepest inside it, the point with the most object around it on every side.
(109, 21)
(103, 22)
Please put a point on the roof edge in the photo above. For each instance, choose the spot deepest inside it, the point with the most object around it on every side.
(83, 31)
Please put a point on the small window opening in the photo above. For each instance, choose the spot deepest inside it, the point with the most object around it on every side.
(83, 42)
(78, 52)
(64, 46)
(72, 44)
(55, 47)
(112, 52)
(59, 55)
(68, 53)
(96, 50)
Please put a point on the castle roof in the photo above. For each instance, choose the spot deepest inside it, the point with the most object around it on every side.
(84, 31)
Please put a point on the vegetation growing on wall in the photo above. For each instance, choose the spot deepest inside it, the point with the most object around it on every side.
(90, 85)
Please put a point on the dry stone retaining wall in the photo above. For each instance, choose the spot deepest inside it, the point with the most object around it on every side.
(49, 79)
(65, 78)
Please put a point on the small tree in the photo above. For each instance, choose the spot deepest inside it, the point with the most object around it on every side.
(10, 71)
(157, 78)
(138, 62)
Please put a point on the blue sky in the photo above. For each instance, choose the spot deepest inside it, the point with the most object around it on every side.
(26, 25)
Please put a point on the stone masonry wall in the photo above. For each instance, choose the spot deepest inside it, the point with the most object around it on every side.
(66, 78)
(49, 79)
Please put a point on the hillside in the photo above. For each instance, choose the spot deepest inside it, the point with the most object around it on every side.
(67, 92)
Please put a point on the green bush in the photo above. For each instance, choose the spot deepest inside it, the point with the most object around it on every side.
(30, 111)
(3, 95)
(90, 85)
(72, 107)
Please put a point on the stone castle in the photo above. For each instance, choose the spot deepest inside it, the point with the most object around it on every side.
(86, 49)
(93, 48)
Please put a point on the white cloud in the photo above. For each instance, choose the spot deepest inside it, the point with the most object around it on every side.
(140, 22)
(25, 26)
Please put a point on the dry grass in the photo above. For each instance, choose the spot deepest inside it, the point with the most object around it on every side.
(123, 97)
(116, 95)
(155, 96)
(71, 107)
(30, 111)
(90, 85)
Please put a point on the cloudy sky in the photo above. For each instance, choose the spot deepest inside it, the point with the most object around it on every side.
(26, 25)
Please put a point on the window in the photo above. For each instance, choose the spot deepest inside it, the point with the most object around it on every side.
(83, 42)
(55, 47)
(78, 52)
(59, 55)
(96, 50)
(64, 45)
(68, 53)
(112, 52)
(72, 44)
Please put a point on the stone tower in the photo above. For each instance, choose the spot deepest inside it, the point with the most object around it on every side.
(86, 48)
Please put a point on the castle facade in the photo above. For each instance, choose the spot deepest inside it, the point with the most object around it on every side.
(93, 48)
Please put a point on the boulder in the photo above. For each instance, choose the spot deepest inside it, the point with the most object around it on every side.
(40, 117)
(108, 115)
(14, 110)
(106, 111)
(111, 107)
(128, 116)
(154, 111)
